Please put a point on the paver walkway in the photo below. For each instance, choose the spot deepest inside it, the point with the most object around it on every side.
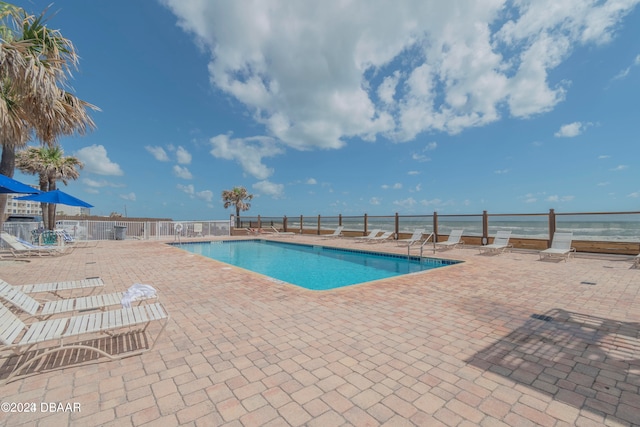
(502, 340)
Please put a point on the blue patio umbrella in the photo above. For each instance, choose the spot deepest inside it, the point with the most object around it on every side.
(56, 197)
(10, 185)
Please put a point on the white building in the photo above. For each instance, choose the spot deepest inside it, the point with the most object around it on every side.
(31, 208)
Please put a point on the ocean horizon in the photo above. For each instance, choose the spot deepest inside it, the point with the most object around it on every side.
(619, 228)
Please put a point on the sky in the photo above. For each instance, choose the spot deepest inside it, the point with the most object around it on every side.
(353, 107)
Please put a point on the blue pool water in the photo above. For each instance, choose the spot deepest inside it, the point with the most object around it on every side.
(312, 267)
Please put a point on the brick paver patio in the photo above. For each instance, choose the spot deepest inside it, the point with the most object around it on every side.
(502, 340)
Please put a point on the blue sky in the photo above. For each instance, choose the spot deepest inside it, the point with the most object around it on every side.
(355, 107)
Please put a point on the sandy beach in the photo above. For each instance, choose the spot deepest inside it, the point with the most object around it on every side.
(494, 341)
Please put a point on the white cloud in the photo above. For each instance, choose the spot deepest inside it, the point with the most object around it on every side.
(396, 186)
(572, 129)
(267, 188)
(249, 152)
(413, 173)
(312, 181)
(420, 157)
(625, 72)
(97, 161)
(431, 146)
(98, 184)
(130, 197)
(432, 202)
(406, 203)
(501, 171)
(206, 195)
(620, 168)
(158, 153)
(183, 156)
(604, 156)
(375, 201)
(182, 172)
(556, 198)
(634, 195)
(316, 74)
(188, 189)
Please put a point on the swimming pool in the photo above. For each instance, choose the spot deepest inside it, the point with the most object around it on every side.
(311, 266)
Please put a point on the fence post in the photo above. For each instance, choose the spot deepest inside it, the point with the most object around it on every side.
(552, 225)
(435, 226)
(397, 226)
(301, 224)
(339, 219)
(485, 228)
(318, 225)
(365, 225)
(284, 223)
(259, 222)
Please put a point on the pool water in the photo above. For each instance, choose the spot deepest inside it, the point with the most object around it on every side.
(310, 266)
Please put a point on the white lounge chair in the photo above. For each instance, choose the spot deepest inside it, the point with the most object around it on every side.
(55, 287)
(369, 236)
(500, 243)
(336, 233)
(29, 305)
(278, 233)
(18, 339)
(21, 248)
(381, 238)
(415, 238)
(560, 247)
(453, 241)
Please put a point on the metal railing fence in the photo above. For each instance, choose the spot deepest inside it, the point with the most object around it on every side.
(110, 230)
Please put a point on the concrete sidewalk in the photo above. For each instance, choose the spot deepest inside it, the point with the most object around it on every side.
(503, 340)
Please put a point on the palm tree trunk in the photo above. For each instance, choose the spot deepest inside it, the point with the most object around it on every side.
(44, 185)
(52, 206)
(7, 166)
(237, 216)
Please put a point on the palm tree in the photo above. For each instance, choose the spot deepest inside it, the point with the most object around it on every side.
(236, 197)
(51, 165)
(35, 62)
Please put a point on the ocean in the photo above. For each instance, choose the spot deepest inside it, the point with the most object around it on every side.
(594, 227)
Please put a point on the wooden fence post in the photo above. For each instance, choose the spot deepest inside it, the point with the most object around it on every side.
(397, 226)
(552, 225)
(318, 233)
(435, 226)
(485, 228)
(301, 224)
(365, 225)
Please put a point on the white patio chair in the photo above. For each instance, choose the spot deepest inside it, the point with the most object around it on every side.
(19, 339)
(500, 243)
(453, 241)
(560, 247)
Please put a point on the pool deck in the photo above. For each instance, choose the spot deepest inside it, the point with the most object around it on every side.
(504, 340)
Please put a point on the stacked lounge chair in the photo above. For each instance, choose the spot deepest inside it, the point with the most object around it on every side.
(416, 237)
(381, 238)
(369, 236)
(33, 344)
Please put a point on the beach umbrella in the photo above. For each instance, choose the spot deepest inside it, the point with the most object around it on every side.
(10, 185)
(56, 197)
